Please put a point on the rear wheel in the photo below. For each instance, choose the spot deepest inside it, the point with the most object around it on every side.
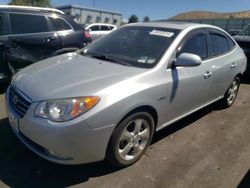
(231, 93)
(130, 139)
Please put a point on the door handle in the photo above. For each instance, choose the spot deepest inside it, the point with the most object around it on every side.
(207, 74)
(49, 39)
(234, 65)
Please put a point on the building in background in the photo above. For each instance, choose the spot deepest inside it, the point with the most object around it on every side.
(84, 15)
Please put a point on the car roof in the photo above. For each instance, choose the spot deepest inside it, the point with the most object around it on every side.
(171, 24)
(100, 24)
(29, 8)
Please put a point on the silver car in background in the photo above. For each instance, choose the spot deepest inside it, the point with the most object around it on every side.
(97, 30)
(107, 100)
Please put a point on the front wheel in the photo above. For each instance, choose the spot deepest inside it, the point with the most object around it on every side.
(130, 139)
(231, 93)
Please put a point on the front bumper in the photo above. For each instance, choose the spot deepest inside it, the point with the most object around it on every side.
(72, 142)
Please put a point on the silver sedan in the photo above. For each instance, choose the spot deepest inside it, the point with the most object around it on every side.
(108, 99)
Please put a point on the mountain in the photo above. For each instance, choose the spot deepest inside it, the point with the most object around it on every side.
(210, 15)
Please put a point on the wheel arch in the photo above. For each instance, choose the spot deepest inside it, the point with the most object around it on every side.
(143, 108)
(239, 75)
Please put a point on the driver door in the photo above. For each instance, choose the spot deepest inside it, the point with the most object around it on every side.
(190, 85)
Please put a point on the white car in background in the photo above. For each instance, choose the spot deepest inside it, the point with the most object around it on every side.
(97, 30)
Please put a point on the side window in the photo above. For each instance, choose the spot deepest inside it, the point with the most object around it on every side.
(231, 44)
(94, 28)
(59, 24)
(1, 24)
(104, 28)
(23, 23)
(219, 44)
(196, 45)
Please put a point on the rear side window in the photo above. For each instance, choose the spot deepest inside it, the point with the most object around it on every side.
(105, 28)
(94, 28)
(196, 45)
(23, 23)
(219, 44)
(59, 24)
(231, 44)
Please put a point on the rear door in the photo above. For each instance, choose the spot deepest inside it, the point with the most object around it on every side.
(31, 40)
(224, 62)
(70, 37)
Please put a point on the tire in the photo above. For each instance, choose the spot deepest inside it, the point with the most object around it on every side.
(231, 93)
(130, 139)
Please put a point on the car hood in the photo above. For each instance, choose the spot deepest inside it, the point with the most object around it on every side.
(70, 75)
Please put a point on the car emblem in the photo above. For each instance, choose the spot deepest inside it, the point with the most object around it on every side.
(15, 99)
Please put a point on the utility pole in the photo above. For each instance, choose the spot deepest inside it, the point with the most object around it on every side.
(93, 3)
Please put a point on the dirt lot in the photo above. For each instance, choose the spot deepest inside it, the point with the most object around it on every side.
(210, 148)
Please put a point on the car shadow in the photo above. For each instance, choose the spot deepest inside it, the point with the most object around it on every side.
(22, 168)
(19, 167)
(246, 79)
(167, 131)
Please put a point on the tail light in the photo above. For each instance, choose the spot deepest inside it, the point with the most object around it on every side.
(86, 34)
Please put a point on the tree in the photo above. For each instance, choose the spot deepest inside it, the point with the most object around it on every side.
(133, 18)
(146, 19)
(37, 3)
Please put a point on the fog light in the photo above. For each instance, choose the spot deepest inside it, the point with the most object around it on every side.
(58, 156)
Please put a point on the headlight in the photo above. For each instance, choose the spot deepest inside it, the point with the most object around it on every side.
(65, 109)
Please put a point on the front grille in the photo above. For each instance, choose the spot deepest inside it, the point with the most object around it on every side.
(19, 102)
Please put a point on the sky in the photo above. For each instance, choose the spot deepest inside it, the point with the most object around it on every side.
(157, 9)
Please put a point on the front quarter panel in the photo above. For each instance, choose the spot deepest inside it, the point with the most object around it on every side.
(121, 98)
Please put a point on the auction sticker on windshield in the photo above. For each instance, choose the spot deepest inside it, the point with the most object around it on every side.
(162, 33)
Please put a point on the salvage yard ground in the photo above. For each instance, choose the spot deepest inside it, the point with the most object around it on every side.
(210, 148)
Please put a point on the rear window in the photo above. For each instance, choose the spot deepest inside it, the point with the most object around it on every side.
(105, 28)
(219, 44)
(23, 23)
(59, 24)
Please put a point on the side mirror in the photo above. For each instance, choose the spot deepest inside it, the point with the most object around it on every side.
(187, 60)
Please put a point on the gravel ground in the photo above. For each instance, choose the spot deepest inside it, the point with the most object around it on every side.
(210, 148)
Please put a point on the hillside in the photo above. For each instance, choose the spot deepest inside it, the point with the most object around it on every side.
(210, 15)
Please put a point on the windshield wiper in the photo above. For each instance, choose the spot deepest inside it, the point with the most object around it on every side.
(109, 58)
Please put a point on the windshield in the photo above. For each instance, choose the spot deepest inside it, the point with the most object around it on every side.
(134, 45)
(245, 31)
